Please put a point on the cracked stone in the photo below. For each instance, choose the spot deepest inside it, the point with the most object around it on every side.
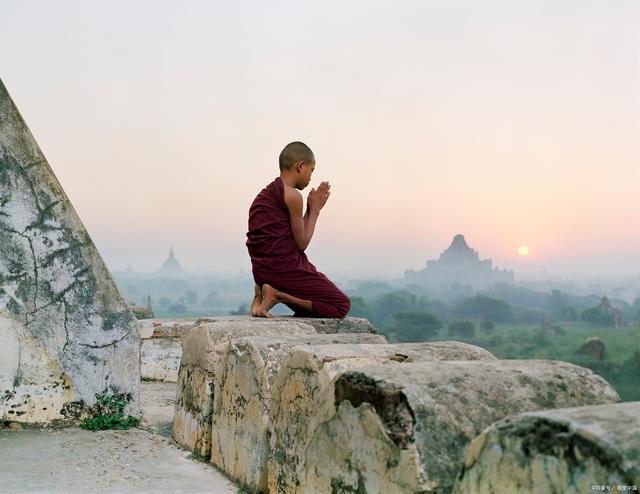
(60, 310)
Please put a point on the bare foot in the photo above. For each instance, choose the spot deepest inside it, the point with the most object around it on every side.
(257, 300)
(269, 299)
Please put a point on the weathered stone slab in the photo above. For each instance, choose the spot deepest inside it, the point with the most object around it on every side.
(566, 451)
(202, 350)
(168, 328)
(322, 325)
(160, 358)
(303, 395)
(242, 400)
(404, 428)
(66, 334)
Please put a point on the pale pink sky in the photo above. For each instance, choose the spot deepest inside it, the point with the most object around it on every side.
(513, 123)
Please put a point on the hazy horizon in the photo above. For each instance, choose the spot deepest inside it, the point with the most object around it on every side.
(514, 124)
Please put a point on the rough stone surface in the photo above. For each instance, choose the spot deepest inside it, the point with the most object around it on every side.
(242, 400)
(404, 428)
(160, 358)
(170, 328)
(565, 451)
(66, 334)
(75, 461)
(322, 325)
(201, 354)
(303, 395)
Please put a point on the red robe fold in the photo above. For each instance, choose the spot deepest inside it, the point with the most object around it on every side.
(276, 260)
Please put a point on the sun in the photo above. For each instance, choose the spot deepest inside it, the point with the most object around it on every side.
(523, 251)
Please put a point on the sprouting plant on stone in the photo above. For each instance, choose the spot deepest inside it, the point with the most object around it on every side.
(108, 413)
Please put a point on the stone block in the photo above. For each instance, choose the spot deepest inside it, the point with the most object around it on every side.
(160, 359)
(167, 328)
(202, 350)
(321, 324)
(66, 334)
(566, 451)
(404, 428)
(302, 397)
(242, 400)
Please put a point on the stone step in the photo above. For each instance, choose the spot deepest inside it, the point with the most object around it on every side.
(566, 451)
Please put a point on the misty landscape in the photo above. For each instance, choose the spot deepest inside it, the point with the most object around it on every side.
(593, 323)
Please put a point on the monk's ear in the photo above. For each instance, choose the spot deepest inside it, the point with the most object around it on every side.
(299, 164)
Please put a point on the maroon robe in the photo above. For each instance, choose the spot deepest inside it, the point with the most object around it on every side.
(276, 260)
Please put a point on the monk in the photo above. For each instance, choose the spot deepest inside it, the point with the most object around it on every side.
(279, 233)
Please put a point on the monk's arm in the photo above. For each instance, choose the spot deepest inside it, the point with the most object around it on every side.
(302, 227)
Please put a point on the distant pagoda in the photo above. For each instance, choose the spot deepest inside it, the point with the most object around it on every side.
(171, 267)
(459, 265)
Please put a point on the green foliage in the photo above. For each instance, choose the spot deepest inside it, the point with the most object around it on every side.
(621, 366)
(211, 300)
(541, 337)
(462, 329)
(570, 314)
(557, 302)
(483, 307)
(597, 317)
(191, 296)
(390, 303)
(532, 316)
(560, 331)
(108, 413)
(242, 310)
(487, 326)
(177, 310)
(416, 325)
(359, 307)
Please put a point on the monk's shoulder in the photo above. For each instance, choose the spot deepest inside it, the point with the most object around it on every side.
(292, 197)
(292, 194)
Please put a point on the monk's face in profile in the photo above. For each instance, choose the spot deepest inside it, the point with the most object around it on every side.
(304, 171)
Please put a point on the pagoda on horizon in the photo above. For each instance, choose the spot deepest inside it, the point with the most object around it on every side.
(459, 265)
(171, 267)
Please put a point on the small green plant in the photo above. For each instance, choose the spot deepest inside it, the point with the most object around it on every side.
(108, 413)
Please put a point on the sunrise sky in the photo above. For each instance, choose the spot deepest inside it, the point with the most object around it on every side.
(515, 123)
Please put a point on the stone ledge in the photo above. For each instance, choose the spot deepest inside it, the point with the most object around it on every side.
(565, 451)
(303, 396)
(403, 428)
(242, 400)
(202, 350)
(321, 325)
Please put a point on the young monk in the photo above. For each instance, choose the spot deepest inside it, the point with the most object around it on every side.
(279, 232)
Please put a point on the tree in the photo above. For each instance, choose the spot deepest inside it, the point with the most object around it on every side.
(177, 309)
(359, 307)
(570, 314)
(483, 307)
(391, 303)
(462, 329)
(533, 316)
(211, 300)
(597, 317)
(416, 325)
(632, 365)
(487, 326)
(557, 302)
(242, 310)
(191, 296)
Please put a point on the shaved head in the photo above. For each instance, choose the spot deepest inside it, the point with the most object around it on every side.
(295, 151)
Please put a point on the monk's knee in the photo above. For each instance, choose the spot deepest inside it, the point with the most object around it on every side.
(344, 307)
